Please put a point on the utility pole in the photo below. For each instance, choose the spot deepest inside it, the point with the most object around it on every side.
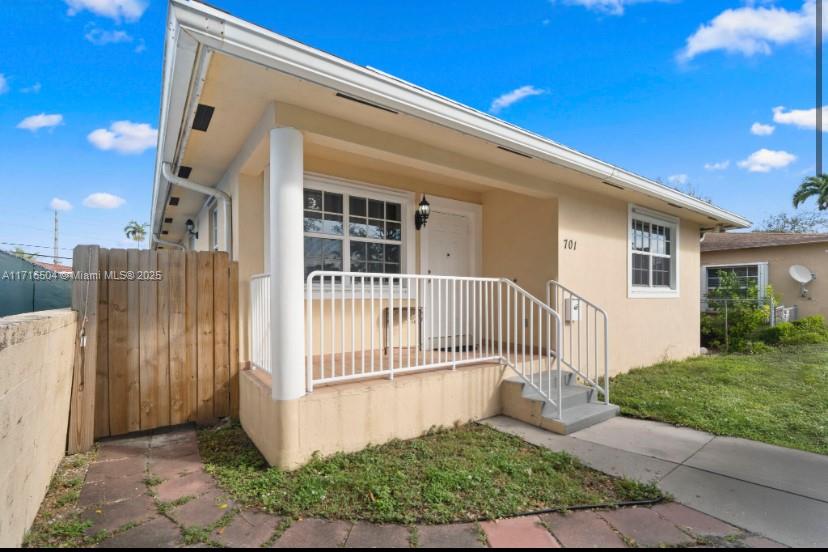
(818, 87)
(56, 249)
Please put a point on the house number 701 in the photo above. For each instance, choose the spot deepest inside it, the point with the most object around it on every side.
(570, 244)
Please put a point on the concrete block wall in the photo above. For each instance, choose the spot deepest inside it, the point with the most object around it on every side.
(36, 356)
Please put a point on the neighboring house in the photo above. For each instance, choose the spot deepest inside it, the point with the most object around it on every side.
(294, 161)
(763, 258)
(29, 286)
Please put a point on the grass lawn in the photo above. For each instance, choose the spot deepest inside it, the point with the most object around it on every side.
(461, 474)
(778, 397)
(58, 523)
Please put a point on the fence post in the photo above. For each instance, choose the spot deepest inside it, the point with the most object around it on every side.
(85, 303)
(727, 333)
(772, 312)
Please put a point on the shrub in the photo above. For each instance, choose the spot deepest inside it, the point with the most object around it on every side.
(735, 316)
(807, 331)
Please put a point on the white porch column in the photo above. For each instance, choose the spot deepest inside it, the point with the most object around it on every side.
(287, 293)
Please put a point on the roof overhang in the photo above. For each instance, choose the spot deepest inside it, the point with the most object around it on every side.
(195, 31)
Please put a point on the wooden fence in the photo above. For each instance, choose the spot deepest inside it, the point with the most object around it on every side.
(160, 341)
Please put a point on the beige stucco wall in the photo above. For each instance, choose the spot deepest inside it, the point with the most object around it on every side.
(519, 237)
(780, 259)
(347, 418)
(36, 355)
(641, 331)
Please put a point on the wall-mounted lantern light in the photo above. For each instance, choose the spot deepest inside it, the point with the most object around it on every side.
(191, 228)
(423, 210)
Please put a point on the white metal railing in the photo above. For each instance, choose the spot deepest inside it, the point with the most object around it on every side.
(584, 346)
(260, 322)
(361, 325)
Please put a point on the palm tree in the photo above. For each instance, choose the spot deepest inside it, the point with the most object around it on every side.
(813, 186)
(136, 231)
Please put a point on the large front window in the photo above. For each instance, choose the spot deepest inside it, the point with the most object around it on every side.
(653, 251)
(352, 231)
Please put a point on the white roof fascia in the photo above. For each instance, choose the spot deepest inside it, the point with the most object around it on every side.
(240, 38)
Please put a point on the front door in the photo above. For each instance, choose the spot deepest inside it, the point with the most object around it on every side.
(449, 254)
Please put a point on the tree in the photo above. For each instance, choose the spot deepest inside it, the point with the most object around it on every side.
(22, 254)
(800, 223)
(813, 186)
(136, 231)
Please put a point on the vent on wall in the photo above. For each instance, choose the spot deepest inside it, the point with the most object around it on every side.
(515, 152)
(203, 116)
(164, 232)
(174, 200)
(365, 102)
(184, 171)
(168, 220)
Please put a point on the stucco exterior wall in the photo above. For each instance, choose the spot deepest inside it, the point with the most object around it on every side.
(519, 237)
(36, 356)
(347, 418)
(641, 330)
(779, 259)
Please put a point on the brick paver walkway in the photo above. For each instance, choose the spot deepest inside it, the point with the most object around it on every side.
(151, 491)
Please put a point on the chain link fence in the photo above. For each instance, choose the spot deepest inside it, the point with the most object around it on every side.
(724, 317)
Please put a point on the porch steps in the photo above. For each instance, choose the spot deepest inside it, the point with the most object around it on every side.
(581, 407)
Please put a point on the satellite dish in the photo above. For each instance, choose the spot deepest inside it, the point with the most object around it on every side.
(801, 274)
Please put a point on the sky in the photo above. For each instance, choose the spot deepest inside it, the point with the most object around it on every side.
(713, 96)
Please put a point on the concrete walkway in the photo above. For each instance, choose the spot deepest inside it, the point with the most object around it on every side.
(773, 491)
(151, 491)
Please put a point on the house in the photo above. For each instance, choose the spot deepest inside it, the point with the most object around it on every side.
(764, 258)
(406, 261)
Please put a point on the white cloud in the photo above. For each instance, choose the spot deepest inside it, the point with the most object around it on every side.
(765, 160)
(718, 166)
(4, 84)
(751, 30)
(678, 179)
(510, 98)
(36, 122)
(611, 7)
(800, 118)
(130, 10)
(103, 200)
(124, 137)
(58, 204)
(33, 89)
(100, 37)
(760, 129)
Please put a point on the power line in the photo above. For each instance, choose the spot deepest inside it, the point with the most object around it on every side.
(37, 255)
(33, 245)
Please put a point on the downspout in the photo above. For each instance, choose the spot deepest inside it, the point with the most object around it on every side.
(207, 190)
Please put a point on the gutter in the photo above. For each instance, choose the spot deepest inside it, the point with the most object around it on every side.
(221, 196)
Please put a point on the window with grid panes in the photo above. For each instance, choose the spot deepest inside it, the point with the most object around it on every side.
(653, 254)
(352, 233)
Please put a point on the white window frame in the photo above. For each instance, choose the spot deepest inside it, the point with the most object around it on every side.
(642, 214)
(761, 271)
(371, 191)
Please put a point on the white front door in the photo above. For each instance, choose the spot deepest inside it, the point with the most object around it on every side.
(449, 254)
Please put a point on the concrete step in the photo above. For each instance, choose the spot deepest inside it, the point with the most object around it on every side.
(572, 395)
(581, 408)
(577, 418)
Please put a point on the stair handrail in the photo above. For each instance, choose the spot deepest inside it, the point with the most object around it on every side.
(553, 355)
(553, 288)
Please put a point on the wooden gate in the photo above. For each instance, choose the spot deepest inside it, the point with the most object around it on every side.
(166, 347)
